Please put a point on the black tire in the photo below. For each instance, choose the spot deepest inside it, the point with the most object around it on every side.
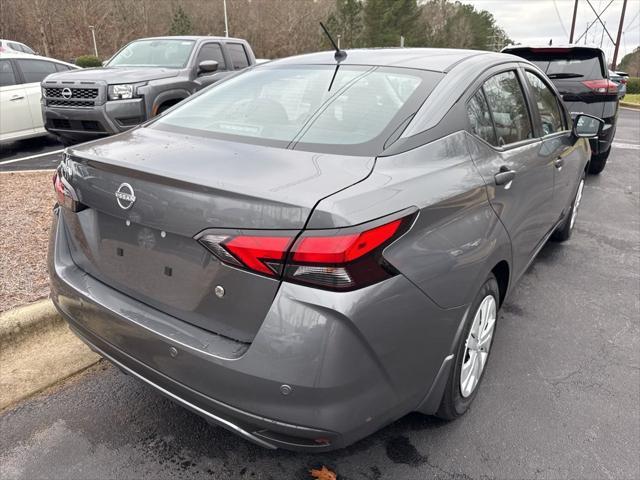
(565, 229)
(453, 404)
(598, 162)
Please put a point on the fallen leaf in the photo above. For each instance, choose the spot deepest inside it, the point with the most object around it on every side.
(323, 474)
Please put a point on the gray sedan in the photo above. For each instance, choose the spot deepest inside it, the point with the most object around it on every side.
(315, 247)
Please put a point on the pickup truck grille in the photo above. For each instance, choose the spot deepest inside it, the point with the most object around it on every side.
(80, 97)
(89, 93)
(70, 103)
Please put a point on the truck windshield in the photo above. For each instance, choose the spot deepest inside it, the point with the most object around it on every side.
(310, 104)
(168, 53)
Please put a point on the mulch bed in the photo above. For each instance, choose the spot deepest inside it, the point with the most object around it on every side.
(26, 200)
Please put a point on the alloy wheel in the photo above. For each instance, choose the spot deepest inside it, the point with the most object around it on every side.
(477, 345)
(576, 204)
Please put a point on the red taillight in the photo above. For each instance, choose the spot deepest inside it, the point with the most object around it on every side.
(262, 254)
(65, 195)
(58, 187)
(602, 86)
(329, 259)
(623, 81)
(342, 248)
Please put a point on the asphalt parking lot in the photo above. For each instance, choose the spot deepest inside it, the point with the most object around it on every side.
(559, 400)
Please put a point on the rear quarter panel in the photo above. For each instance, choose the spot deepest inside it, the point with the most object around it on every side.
(456, 239)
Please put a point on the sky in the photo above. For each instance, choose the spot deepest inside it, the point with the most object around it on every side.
(538, 21)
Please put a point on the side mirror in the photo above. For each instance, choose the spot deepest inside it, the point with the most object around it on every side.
(586, 126)
(207, 66)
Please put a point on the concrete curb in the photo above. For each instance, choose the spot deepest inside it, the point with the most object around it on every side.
(20, 323)
(632, 106)
(37, 351)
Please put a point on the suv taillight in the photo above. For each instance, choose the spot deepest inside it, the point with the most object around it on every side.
(342, 259)
(602, 86)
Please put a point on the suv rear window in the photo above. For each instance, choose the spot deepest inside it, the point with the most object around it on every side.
(281, 106)
(585, 64)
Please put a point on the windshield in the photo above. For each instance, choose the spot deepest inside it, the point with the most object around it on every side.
(573, 64)
(312, 104)
(154, 53)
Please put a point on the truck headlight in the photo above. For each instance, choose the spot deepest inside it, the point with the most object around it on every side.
(121, 92)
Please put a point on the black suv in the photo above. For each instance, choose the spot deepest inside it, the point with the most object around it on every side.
(144, 78)
(581, 76)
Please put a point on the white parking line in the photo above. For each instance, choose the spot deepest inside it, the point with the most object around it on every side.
(628, 146)
(32, 156)
(40, 170)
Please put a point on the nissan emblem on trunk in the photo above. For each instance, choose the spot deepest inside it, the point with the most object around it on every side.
(125, 196)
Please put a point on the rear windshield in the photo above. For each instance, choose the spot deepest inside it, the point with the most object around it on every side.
(154, 53)
(585, 65)
(306, 105)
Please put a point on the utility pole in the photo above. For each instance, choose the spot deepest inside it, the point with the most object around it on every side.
(573, 21)
(226, 24)
(617, 45)
(93, 35)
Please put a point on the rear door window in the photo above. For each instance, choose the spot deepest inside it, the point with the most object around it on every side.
(212, 51)
(7, 75)
(547, 102)
(238, 55)
(35, 70)
(480, 118)
(508, 107)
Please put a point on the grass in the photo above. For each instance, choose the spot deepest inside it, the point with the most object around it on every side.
(632, 98)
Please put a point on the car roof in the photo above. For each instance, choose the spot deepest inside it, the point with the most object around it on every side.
(190, 37)
(434, 59)
(33, 57)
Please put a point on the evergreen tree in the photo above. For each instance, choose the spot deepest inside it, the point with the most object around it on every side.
(180, 23)
(386, 20)
(347, 21)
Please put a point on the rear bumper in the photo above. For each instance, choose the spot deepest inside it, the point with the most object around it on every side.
(352, 365)
(92, 122)
(603, 142)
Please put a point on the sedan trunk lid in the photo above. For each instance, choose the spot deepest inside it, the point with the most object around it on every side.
(141, 241)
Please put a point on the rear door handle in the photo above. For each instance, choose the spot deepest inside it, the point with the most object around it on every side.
(16, 97)
(558, 163)
(504, 176)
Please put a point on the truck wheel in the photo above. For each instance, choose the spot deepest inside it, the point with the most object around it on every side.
(598, 161)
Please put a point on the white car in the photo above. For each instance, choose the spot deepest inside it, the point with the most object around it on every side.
(20, 93)
(9, 46)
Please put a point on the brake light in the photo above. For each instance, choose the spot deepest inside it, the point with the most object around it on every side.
(602, 86)
(262, 254)
(65, 195)
(343, 259)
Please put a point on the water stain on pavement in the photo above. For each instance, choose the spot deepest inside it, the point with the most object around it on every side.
(401, 450)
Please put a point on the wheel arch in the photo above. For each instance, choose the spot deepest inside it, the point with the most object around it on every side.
(170, 97)
(502, 273)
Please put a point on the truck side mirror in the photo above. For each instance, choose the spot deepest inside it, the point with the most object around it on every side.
(207, 66)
